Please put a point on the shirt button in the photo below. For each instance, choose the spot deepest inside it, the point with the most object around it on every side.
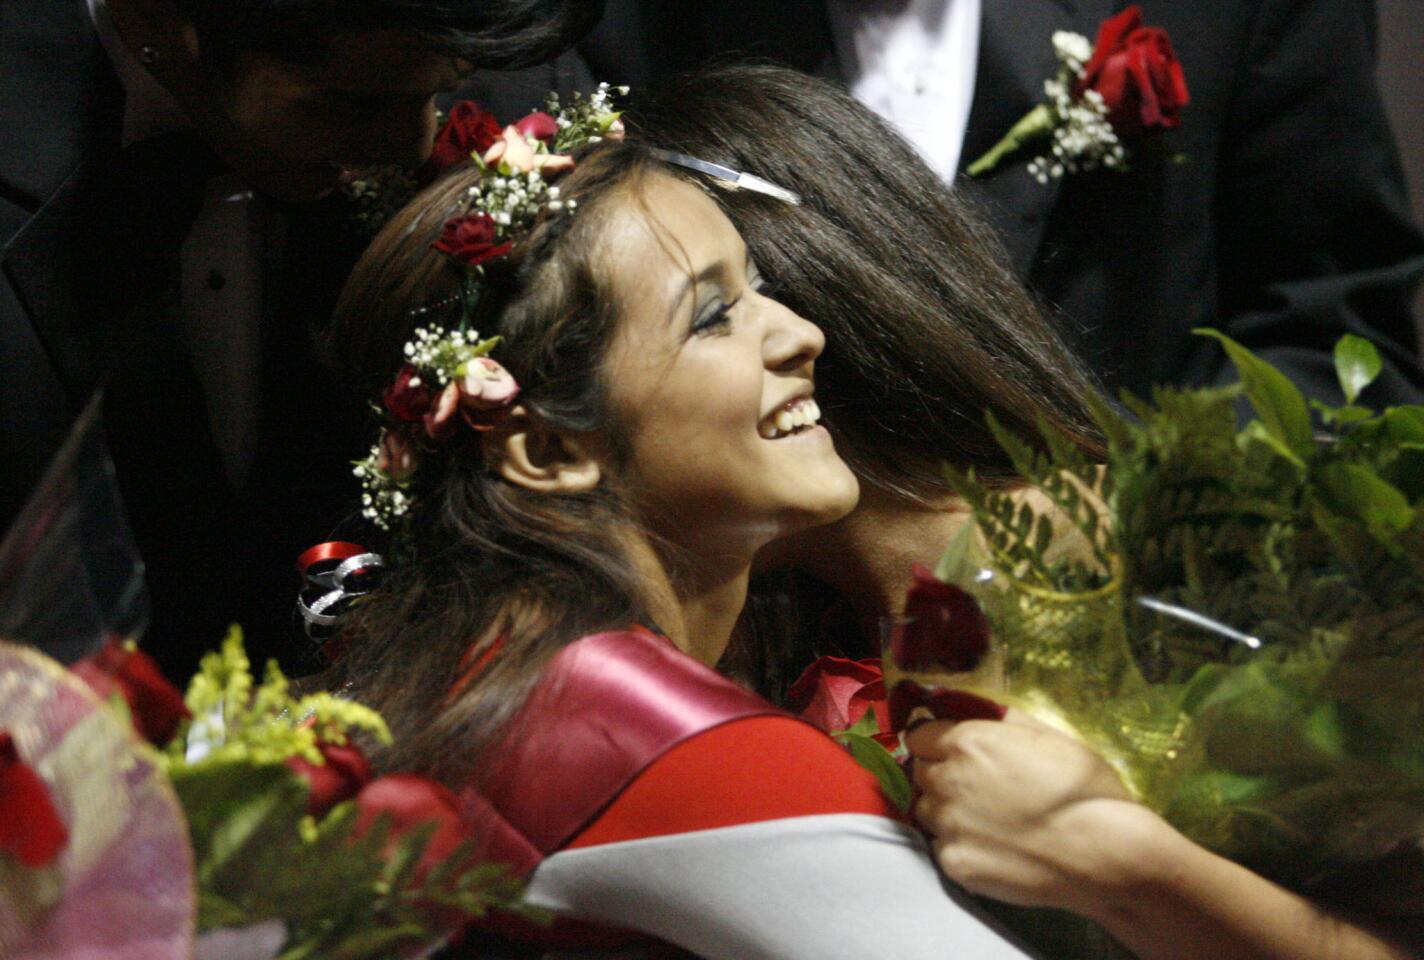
(216, 281)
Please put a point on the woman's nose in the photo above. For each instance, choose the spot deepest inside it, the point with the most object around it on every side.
(792, 341)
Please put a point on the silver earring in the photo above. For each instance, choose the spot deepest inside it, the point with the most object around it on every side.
(148, 54)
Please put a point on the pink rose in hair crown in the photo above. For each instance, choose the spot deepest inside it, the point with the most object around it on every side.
(513, 151)
(472, 240)
(396, 457)
(538, 125)
(486, 385)
(440, 422)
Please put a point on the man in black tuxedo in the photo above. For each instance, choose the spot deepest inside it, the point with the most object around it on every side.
(1276, 212)
(158, 237)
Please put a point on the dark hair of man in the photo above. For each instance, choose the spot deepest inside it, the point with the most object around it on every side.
(488, 565)
(490, 34)
(926, 330)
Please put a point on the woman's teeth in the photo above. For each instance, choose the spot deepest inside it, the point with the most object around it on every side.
(796, 416)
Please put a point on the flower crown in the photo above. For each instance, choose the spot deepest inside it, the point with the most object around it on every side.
(448, 381)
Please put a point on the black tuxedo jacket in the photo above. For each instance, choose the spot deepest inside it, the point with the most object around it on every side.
(1286, 223)
(89, 259)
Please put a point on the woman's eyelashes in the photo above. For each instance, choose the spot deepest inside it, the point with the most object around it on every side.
(714, 316)
(716, 313)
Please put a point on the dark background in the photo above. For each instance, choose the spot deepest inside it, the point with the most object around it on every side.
(1401, 78)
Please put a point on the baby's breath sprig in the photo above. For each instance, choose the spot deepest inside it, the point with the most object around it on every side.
(1079, 134)
(586, 119)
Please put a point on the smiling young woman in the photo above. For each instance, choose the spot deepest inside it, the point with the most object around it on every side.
(567, 576)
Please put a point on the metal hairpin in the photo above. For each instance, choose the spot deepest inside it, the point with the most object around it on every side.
(432, 307)
(735, 178)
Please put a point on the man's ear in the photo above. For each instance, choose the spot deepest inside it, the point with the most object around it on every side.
(525, 450)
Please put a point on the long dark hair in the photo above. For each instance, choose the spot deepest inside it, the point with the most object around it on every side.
(925, 328)
(488, 568)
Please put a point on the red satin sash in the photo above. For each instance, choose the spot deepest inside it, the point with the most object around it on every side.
(605, 708)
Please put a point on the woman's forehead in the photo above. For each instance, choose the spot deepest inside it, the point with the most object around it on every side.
(663, 226)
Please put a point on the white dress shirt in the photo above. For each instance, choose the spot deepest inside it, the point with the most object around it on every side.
(913, 62)
(220, 287)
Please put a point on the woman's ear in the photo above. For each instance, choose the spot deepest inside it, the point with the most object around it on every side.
(525, 450)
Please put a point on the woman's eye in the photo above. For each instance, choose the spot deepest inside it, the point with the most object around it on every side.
(713, 317)
(763, 286)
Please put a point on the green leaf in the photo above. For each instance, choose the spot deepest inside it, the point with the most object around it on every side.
(215, 912)
(1277, 401)
(1358, 492)
(1405, 424)
(867, 726)
(875, 758)
(1258, 431)
(954, 565)
(1357, 363)
(229, 802)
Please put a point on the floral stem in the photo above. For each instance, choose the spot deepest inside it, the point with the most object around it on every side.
(1035, 124)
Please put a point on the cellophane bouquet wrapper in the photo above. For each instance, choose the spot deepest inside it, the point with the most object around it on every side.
(1233, 617)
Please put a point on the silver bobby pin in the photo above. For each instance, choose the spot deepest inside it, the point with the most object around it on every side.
(432, 307)
(744, 181)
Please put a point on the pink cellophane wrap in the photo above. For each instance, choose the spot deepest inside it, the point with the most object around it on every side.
(122, 887)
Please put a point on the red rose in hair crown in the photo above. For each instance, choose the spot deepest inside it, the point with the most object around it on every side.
(469, 130)
(1126, 85)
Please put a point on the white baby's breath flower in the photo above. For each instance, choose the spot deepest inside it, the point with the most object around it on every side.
(1072, 49)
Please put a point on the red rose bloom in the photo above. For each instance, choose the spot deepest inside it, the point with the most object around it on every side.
(943, 704)
(345, 771)
(944, 627)
(409, 801)
(538, 125)
(155, 705)
(835, 693)
(469, 130)
(1136, 72)
(405, 402)
(471, 239)
(30, 827)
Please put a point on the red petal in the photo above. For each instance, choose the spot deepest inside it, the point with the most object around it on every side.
(155, 705)
(1110, 37)
(30, 827)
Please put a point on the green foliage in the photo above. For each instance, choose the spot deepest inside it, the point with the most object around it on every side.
(859, 738)
(237, 721)
(1274, 682)
(339, 892)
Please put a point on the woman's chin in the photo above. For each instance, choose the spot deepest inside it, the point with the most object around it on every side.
(829, 492)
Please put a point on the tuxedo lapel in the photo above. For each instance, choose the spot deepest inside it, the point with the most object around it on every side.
(59, 98)
(1015, 58)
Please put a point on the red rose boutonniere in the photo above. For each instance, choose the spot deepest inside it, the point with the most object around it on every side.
(1125, 86)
